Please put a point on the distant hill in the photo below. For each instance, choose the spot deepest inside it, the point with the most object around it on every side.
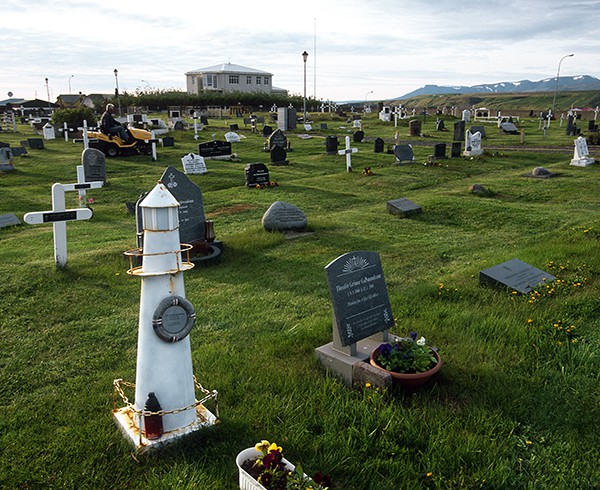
(566, 84)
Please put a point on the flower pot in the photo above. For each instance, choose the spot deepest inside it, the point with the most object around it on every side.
(409, 380)
(247, 481)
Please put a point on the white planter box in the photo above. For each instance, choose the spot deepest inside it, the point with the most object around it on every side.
(247, 482)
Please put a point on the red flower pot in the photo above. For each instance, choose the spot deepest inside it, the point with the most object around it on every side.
(409, 380)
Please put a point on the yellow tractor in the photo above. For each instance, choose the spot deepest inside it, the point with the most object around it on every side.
(112, 146)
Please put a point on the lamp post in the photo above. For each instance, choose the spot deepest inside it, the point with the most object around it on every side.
(305, 57)
(117, 90)
(70, 83)
(557, 75)
(147, 84)
(48, 92)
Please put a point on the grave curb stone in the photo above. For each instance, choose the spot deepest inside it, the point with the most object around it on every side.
(403, 207)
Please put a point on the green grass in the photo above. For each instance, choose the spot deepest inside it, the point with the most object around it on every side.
(515, 405)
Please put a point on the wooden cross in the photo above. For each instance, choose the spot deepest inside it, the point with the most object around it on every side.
(60, 215)
(348, 151)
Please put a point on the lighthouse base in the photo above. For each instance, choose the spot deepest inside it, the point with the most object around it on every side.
(128, 422)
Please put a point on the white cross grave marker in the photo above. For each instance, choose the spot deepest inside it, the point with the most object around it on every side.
(66, 130)
(60, 215)
(348, 152)
(86, 140)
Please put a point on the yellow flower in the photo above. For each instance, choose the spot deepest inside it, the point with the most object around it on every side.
(262, 445)
(528, 442)
(529, 320)
(275, 447)
(429, 475)
(367, 385)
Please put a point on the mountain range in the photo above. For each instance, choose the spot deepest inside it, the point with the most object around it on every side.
(566, 84)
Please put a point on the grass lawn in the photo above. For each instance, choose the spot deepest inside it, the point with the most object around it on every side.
(514, 406)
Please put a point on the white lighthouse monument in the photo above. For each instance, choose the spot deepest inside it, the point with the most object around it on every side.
(165, 406)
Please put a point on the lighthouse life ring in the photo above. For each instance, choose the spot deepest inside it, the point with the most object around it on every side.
(173, 319)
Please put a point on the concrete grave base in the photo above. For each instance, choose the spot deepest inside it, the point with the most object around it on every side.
(344, 366)
(126, 420)
(582, 162)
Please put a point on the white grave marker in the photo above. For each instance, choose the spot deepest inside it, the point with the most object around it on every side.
(472, 144)
(60, 215)
(581, 154)
(193, 164)
(348, 152)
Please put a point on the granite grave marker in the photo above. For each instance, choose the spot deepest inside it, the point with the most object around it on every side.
(516, 275)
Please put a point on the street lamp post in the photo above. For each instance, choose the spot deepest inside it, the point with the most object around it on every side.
(557, 75)
(48, 92)
(117, 90)
(305, 57)
(70, 83)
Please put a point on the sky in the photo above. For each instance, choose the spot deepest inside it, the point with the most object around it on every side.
(358, 50)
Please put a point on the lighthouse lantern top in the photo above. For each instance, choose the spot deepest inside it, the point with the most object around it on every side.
(160, 210)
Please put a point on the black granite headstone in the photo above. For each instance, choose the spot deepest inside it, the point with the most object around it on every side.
(378, 145)
(439, 151)
(191, 210)
(414, 127)
(18, 151)
(94, 165)
(459, 131)
(9, 219)
(480, 129)
(361, 305)
(278, 155)
(359, 136)
(168, 141)
(204, 120)
(456, 147)
(439, 125)
(509, 128)
(267, 130)
(256, 174)
(233, 127)
(331, 145)
(214, 149)
(323, 125)
(35, 143)
(516, 275)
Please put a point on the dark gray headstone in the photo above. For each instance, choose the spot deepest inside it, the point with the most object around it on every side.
(439, 150)
(516, 275)
(570, 129)
(267, 130)
(191, 210)
(9, 219)
(256, 174)
(168, 141)
(379, 145)
(480, 129)
(35, 143)
(403, 207)
(214, 149)
(19, 151)
(94, 165)
(234, 127)
(331, 145)
(404, 153)
(509, 128)
(277, 138)
(323, 125)
(361, 305)
(455, 151)
(178, 126)
(414, 127)
(282, 216)
(6, 160)
(459, 131)
(359, 136)
(278, 155)
(204, 120)
(4, 145)
(439, 125)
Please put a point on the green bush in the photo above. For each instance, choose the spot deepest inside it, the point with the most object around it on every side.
(74, 117)
(593, 139)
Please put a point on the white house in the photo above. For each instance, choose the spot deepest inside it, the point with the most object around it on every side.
(228, 77)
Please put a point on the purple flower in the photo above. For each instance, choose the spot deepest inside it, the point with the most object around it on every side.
(413, 335)
(385, 349)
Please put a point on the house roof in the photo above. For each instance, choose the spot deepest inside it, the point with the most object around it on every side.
(228, 68)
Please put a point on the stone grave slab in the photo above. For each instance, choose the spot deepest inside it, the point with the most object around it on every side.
(94, 165)
(509, 128)
(278, 155)
(362, 313)
(6, 160)
(516, 275)
(478, 129)
(331, 145)
(455, 149)
(358, 136)
(191, 209)
(9, 219)
(256, 174)
(283, 216)
(459, 131)
(439, 151)
(414, 127)
(403, 207)
(35, 143)
(232, 137)
(378, 145)
(277, 138)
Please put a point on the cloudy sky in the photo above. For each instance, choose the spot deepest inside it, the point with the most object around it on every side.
(358, 49)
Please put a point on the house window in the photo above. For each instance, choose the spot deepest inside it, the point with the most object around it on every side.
(234, 79)
(211, 81)
(266, 80)
(258, 79)
(248, 80)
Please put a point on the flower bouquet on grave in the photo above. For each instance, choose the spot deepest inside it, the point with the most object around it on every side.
(264, 467)
(410, 361)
